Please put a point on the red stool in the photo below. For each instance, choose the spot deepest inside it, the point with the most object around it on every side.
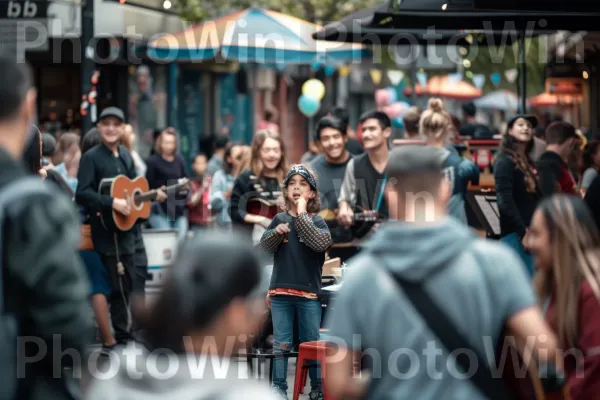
(309, 351)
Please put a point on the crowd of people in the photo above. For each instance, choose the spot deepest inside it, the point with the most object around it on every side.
(421, 287)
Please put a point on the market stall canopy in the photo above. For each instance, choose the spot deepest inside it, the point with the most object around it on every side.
(254, 35)
(549, 100)
(443, 86)
(498, 100)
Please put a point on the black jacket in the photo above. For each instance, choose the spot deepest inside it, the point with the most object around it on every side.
(45, 282)
(592, 199)
(96, 164)
(554, 175)
(515, 204)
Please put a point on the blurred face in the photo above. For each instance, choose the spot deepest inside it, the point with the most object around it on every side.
(298, 187)
(72, 156)
(110, 129)
(235, 156)
(373, 137)
(200, 165)
(168, 144)
(270, 154)
(597, 157)
(333, 143)
(521, 130)
(143, 81)
(539, 241)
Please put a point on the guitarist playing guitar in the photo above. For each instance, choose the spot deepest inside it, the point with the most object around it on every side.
(116, 248)
(256, 191)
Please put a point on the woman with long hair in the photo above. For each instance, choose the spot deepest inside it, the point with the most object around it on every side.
(517, 190)
(256, 190)
(222, 184)
(565, 243)
(436, 127)
(590, 165)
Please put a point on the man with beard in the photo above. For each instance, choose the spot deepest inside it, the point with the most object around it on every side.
(364, 179)
(330, 168)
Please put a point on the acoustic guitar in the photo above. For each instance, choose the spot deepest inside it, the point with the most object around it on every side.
(362, 221)
(138, 194)
(263, 207)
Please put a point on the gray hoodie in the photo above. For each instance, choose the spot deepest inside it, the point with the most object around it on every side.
(477, 283)
(182, 377)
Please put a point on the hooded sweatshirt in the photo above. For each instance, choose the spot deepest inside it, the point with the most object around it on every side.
(479, 284)
(138, 375)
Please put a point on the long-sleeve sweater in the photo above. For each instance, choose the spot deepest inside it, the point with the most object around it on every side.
(299, 255)
(586, 385)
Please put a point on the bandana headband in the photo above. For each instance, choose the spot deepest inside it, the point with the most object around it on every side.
(303, 172)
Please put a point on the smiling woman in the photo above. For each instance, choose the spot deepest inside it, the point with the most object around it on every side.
(516, 185)
(256, 190)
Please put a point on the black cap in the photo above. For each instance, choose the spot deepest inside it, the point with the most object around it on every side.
(531, 118)
(413, 159)
(112, 112)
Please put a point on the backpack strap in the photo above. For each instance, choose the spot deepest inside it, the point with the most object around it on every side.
(451, 338)
(15, 191)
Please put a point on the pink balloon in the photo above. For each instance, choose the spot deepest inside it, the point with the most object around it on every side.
(394, 110)
(382, 97)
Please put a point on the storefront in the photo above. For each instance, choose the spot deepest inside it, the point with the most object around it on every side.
(127, 78)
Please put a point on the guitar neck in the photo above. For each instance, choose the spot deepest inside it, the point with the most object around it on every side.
(151, 195)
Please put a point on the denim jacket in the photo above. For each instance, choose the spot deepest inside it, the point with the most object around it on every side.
(222, 182)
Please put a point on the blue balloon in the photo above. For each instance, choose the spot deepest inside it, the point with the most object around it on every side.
(308, 105)
(393, 94)
(329, 70)
(398, 123)
(316, 66)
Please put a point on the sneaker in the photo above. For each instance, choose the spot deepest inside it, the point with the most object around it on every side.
(315, 394)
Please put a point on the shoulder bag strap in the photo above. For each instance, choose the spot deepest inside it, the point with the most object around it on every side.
(452, 340)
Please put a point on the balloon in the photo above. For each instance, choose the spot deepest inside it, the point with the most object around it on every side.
(316, 66)
(382, 97)
(396, 110)
(308, 105)
(329, 70)
(398, 123)
(314, 88)
(393, 94)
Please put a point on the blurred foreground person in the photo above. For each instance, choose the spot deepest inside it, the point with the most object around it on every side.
(565, 243)
(43, 288)
(214, 297)
(419, 272)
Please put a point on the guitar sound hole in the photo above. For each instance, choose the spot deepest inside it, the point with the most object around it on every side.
(136, 199)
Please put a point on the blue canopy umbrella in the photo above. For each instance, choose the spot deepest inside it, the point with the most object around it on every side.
(254, 36)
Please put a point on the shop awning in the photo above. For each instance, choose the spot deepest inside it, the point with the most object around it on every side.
(255, 36)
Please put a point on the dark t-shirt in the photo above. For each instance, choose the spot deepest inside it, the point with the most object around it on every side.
(161, 172)
(330, 177)
(476, 131)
